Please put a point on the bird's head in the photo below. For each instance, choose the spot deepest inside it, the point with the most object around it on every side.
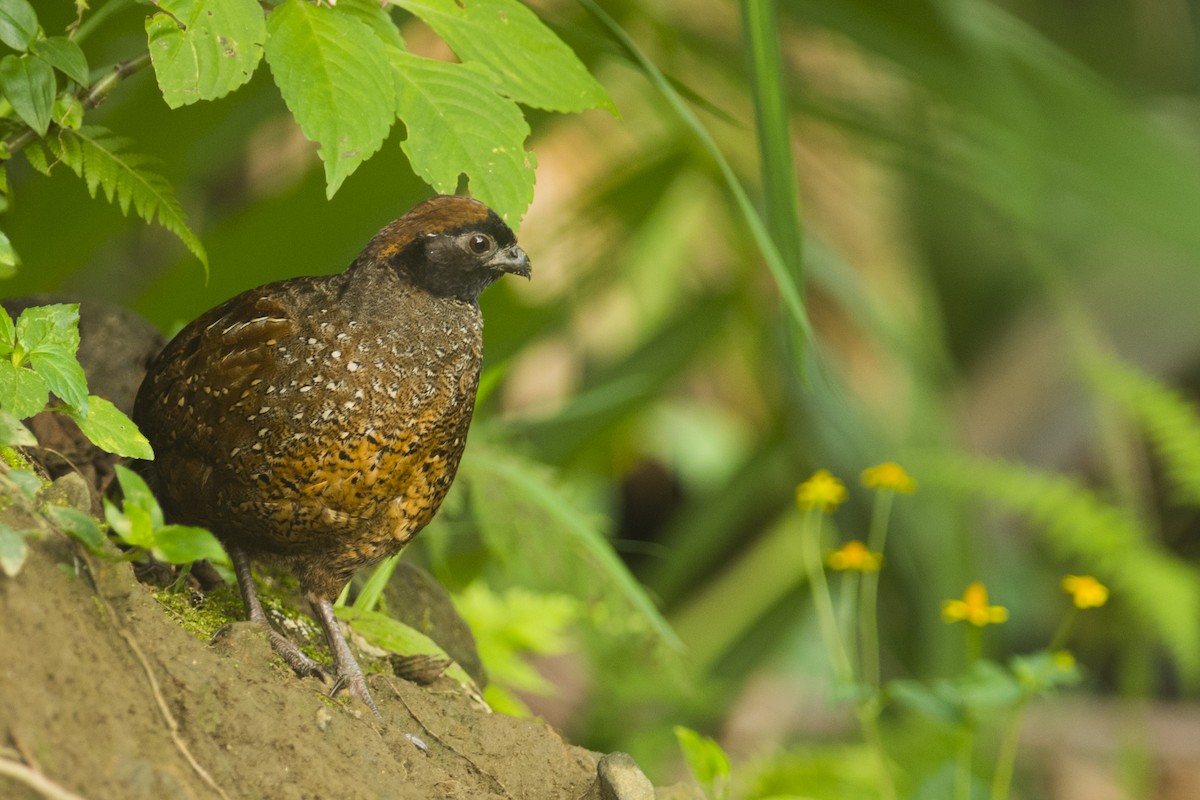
(450, 246)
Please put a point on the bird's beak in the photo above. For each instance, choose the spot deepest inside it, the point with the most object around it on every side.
(511, 259)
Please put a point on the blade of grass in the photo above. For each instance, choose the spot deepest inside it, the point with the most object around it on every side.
(789, 289)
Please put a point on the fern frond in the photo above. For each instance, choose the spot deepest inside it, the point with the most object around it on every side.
(105, 163)
(1169, 422)
(1104, 539)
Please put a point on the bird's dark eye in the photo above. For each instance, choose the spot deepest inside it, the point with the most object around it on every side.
(480, 243)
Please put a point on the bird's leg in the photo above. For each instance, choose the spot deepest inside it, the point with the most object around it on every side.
(349, 674)
(283, 647)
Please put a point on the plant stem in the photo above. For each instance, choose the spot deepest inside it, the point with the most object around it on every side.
(86, 26)
(962, 767)
(868, 602)
(90, 97)
(1006, 759)
(826, 619)
(760, 22)
(868, 718)
(1064, 631)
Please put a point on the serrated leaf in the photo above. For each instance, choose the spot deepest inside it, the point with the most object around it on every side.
(9, 261)
(28, 84)
(204, 49)
(13, 551)
(183, 544)
(80, 526)
(13, 433)
(526, 60)
(35, 154)
(50, 336)
(333, 73)
(64, 55)
(375, 15)
(104, 162)
(457, 123)
(8, 333)
(23, 392)
(18, 24)
(49, 327)
(109, 429)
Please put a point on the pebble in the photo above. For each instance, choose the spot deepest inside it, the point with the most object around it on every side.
(621, 779)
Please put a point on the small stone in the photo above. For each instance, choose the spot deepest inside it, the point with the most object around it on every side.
(324, 717)
(68, 490)
(621, 779)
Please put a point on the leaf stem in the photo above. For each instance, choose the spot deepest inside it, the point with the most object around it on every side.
(90, 97)
(826, 618)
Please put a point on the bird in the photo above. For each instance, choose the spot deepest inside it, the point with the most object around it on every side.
(318, 422)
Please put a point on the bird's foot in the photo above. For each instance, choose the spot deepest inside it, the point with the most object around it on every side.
(294, 657)
(353, 682)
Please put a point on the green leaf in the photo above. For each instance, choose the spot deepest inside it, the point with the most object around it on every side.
(103, 161)
(133, 524)
(457, 123)
(80, 526)
(204, 49)
(13, 433)
(50, 336)
(109, 429)
(9, 261)
(391, 634)
(183, 544)
(28, 84)
(137, 493)
(333, 73)
(65, 56)
(18, 24)
(8, 333)
(705, 758)
(23, 392)
(13, 550)
(526, 60)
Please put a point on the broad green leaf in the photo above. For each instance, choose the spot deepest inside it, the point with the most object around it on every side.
(50, 336)
(23, 392)
(137, 493)
(391, 634)
(8, 333)
(18, 24)
(65, 56)
(526, 60)
(457, 123)
(132, 524)
(102, 160)
(333, 73)
(28, 84)
(109, 429)
(49, 327)
(183, 544)
(28, 481)
(377, 18)
(80, 526)
(204, 49)
(9, 261)
(13, 550)
(13, 433)
(705, 758)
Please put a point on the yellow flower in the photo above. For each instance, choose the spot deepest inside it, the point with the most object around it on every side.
(855, 556)
(888, 475)
(974, 608)
(1085, 591)
(821, 491)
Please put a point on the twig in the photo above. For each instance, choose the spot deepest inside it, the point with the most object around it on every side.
(36, 780)
(89, 97)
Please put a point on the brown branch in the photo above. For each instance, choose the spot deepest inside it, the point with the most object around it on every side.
(89, 97)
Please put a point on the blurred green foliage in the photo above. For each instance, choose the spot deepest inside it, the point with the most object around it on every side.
(994, 195)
